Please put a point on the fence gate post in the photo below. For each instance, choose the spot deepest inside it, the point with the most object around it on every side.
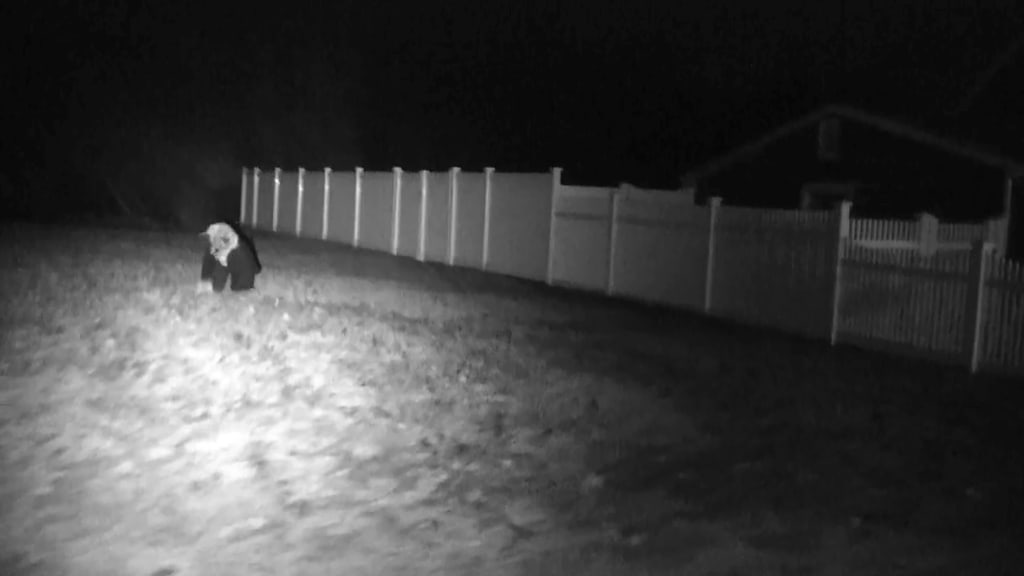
(298, 202)
(453, 213)
(255, 197)
(556, 184)
(396, 210)
(357, 206)
(327, 203)
(973, 327)
(245, 183)
(277, 197)
(928, 234)
(1000, 236)
(714, 205)
(842, 234)
(488, 176)
(421, 251)
(613, 238)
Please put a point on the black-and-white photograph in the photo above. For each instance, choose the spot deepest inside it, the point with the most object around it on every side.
(534, 287)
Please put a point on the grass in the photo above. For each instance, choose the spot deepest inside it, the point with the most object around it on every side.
(364, 414)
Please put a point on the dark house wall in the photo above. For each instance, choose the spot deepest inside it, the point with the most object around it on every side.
(899, 177)
(771, 178)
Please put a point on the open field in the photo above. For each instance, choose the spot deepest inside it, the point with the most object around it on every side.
(365, 414)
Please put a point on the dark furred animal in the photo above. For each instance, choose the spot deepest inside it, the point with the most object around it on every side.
(231, 255)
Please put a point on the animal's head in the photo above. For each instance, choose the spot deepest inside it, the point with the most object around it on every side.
(223, 239)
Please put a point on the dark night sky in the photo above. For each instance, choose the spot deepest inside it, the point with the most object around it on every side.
(612, 91)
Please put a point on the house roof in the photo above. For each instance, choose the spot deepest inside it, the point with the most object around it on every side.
(897, 128)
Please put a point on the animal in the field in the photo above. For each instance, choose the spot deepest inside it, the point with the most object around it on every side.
(231, 255)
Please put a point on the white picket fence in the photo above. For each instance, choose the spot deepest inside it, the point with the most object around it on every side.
(926, 234)
(923, 288)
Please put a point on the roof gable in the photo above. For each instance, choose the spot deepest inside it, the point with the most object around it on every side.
(887, 125)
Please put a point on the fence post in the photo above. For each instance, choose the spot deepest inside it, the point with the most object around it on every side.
(327, 203)
(357, 206)
(976, 303)
(277, 197)
(842, 234)
(453, 213)
(396, 210)
(928, 234)
(488, 175)
(714, 206)
(245, 183)
(298, 202)
(556, 183)
(421, 253)
(996, 231)
(255, 197)
(1001, 237)
(613, 238)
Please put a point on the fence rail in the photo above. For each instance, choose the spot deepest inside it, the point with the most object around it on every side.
(922, 287)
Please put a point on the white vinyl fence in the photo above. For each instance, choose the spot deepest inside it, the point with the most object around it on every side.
(923, 288)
